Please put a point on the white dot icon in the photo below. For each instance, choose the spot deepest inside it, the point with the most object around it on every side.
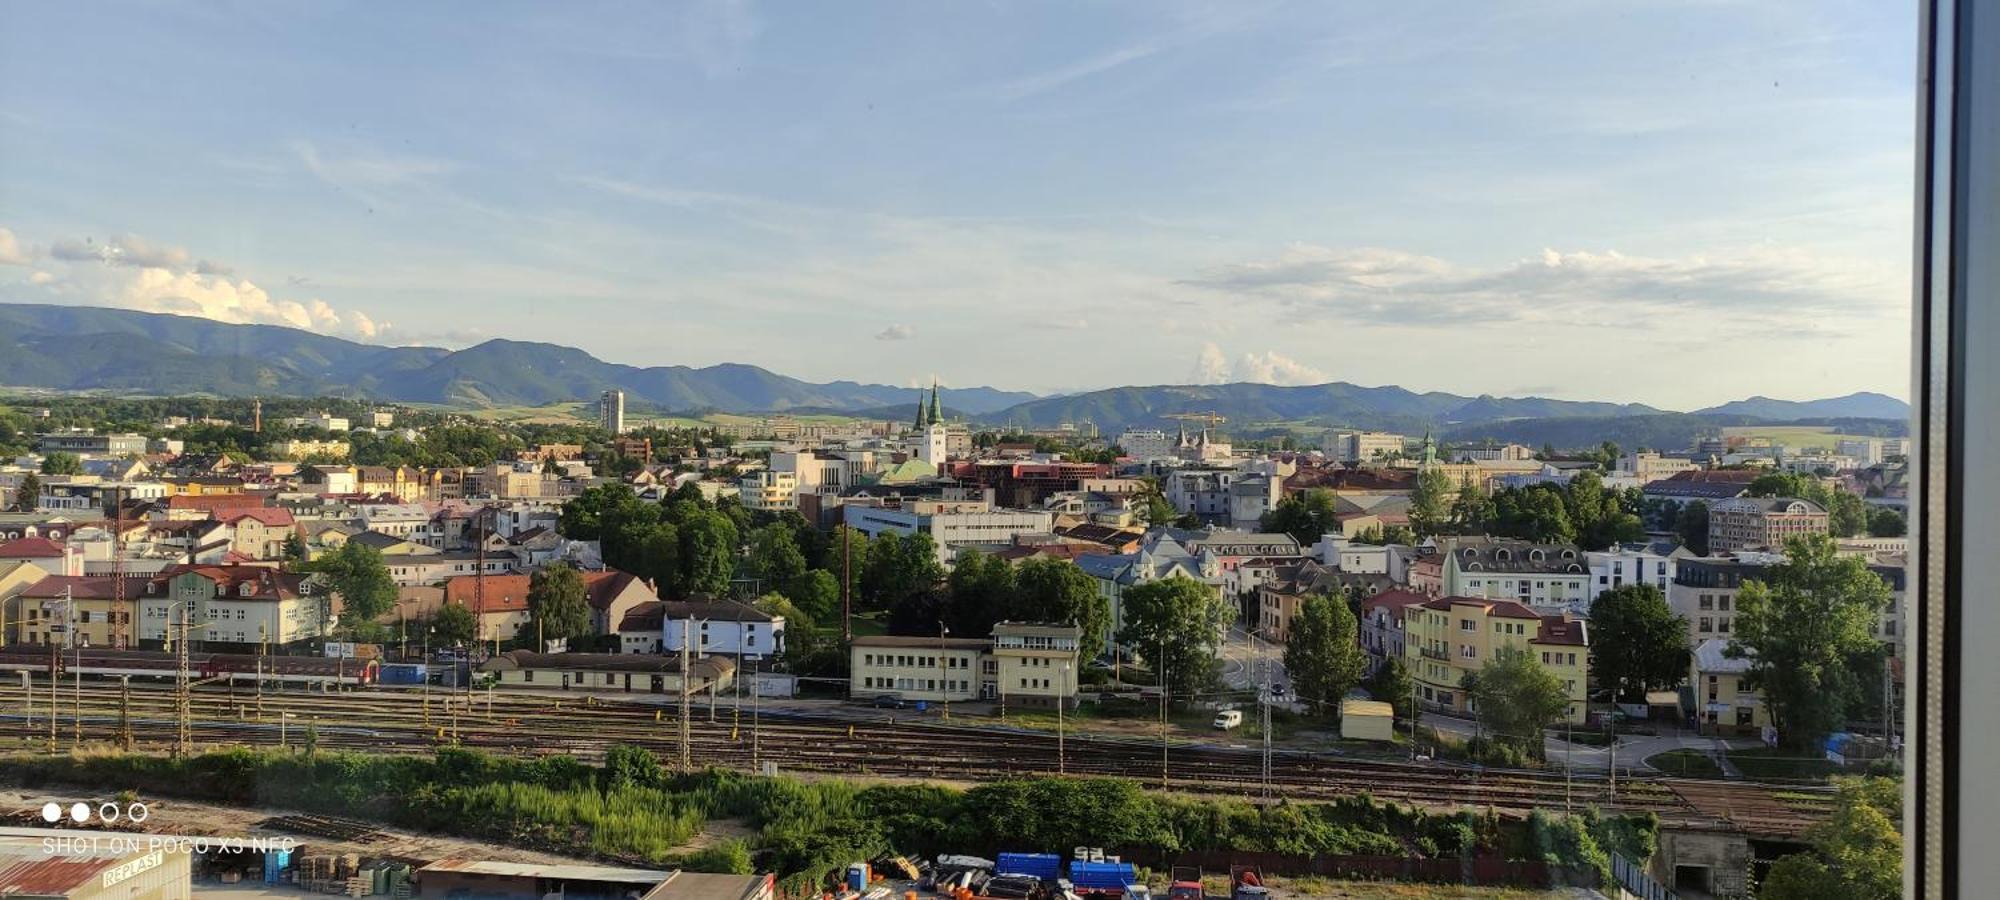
(52, 812)
(79, 812)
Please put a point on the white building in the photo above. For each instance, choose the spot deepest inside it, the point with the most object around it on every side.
(1649, 466)
(722, 628)
(1362, 446)
(952, 524)
(1146, 444)
(1652, 564)
(611, 411)
(769, 491)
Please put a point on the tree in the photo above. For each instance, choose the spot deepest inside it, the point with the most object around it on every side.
(1857, 852)
(1472, 509)
(1800, 625)
(1322, 653)
(1378, 536)
(817, 594)
(1516, 698)
(1055, 590)
(1691, 525)
(556, 603)
(708, 552)
(62, 463)
(1637, 642)
(1430, 503)
(29, 494)
(979, 591)
(656, 557)
(355, 573)
(454, 625)
(1886, 522)
(1177, 623)
(1537, 513)
(899, 567)
(775, 556)
(1151, 505)
(1392, 684)
(294, 549)
(1303, 516)
(781, 606)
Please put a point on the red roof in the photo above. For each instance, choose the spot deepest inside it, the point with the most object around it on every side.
(269, 515)
(509, 593)
(1506, 609)
(31, 548)
(1395, 601)
(52, 876)
(83, 587)
(212, 502)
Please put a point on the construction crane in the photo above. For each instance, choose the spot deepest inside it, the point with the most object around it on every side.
(1210, 419)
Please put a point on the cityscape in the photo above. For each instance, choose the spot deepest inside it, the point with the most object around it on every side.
(728, 450)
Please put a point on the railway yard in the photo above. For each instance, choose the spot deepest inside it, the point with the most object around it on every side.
(221, 714)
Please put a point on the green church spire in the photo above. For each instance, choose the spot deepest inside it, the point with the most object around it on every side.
(937, 410)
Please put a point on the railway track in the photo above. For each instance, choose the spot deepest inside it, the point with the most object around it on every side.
(415, 722)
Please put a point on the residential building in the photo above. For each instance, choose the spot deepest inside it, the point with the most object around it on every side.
(300, 448)
(1452, 637)
(87, 443)
(1639, 563)
(1035, 664)
(1383, 625)
(917, 668)
(330, 479)
(641, 629)
(1724, 703)
(258, 532)
(1546, 576)
(769, 491)
(405, 483)
(1648, 466)
(1146, 444)
(1491, 452)
(1279, 600)
(1363, 446)
(237, 607)
(64, 609)
(1751, 523)
(611, 411)
(1705, 589)
(728, 627)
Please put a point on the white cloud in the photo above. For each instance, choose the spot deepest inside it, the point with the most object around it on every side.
(129, 272)
(1396, 287)
(11, 251)
(896, 332)
(1212, 366)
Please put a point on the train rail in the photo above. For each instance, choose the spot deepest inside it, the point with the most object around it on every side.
(408, 721)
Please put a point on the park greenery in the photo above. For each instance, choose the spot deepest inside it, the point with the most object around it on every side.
(1176, 624)
(1806, 627)
(1322, 653)
(1857, 853)
(1516, 698)
(632, 811)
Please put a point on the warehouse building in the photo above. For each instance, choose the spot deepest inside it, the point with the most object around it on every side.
(91, 867)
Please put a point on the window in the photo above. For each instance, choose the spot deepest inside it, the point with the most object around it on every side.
(1705, 624)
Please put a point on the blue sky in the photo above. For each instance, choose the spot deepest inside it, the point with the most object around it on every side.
(1675, 203)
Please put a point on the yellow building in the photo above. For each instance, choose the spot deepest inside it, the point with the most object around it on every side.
(83, 605)
(1723, 703)
(916, 668)
(1451, 637)
(202, 485)
(301, 448)
(1035, 664)
(16, 576)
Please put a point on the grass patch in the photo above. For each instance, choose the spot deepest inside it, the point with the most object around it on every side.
(1780, 764)
(1686, 763)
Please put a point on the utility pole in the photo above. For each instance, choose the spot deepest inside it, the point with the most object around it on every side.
(1162, 670)
(76, 679)
(55, 667)
(846, 582)
(687, 660)
(1264, 700)
(1614, 771)
(944, 672)
(125, 712)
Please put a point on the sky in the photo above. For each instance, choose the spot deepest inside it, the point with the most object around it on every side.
(1676, 203)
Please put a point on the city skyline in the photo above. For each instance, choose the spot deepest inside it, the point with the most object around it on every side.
(1475, 202)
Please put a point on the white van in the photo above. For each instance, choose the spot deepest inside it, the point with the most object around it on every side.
(1228, 718)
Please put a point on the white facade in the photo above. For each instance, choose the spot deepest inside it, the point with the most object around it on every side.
(1361, 446)
(1146, 444)
(751, 640)
(611, 411)
(953, 525)
(1635, 564)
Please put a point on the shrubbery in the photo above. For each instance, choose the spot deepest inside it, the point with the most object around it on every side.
(634, 811)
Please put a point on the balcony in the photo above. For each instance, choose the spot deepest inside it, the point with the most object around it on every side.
(1432, 653)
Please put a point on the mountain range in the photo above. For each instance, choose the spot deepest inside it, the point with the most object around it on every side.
(94, 348)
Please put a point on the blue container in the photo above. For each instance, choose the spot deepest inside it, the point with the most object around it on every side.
(276, 861)
(857, 877)
(1046, 866)
(1102, 876)
(404, 673)
(923, 705)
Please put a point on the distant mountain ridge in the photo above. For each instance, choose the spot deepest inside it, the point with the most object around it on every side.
(95, 348)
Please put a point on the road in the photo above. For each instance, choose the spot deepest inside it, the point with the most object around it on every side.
(1632, 750)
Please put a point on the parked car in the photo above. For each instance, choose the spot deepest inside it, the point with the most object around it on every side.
(1228, 719)
(889, 701)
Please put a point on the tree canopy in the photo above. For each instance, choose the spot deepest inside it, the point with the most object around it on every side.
(1637, 642)
(1176, 623)
(1322, 653)
(1802, 626)
(454, 625)
(1516, 698)
(356, 574)
(557, 604)
(1857, 853)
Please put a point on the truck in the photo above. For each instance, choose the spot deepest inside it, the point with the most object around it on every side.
(1247, 883)
(1186, 884)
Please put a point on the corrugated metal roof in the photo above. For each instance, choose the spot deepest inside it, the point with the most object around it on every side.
(648, 877)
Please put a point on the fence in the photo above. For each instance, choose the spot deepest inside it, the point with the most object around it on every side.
(1633, 876)
(1485, 870)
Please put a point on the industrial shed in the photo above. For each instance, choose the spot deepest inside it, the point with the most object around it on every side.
(622, 672)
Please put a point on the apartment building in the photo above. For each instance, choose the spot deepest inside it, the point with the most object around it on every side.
(1363, 446)
(1705, 589)
(86, 606)
(726, 627)
(235, 607)
(1724, 702)
(767, 490)
(1451, 637)
(1547, 576)
(1756, 523)
(917, 668)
